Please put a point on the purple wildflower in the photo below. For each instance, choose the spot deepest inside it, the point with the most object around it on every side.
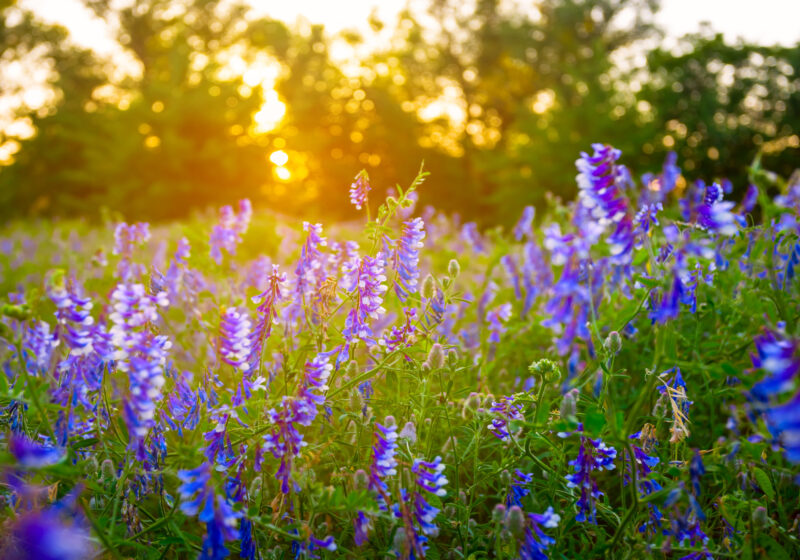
(267, 313)
(235, 338)
(777, 355)
(384, 463)
(199, 498)
(600, 193)
(505, 410)
(126, 238)
(47, 535)
(524, 227)
(32, 455)
(536, 541)
(593, 455)
(714, 214)
(359, 190)
(518, 488)
(230, 228)
(407, 258)
(496, 317)
(417, 514)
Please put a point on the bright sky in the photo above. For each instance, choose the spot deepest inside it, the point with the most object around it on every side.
(765, 21)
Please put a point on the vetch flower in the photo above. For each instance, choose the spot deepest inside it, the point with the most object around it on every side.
(593, 455)
(359, 190)
(30, 454)
(235, 338)
(599, 192)
(524, 227)
(505, 411)
(407, 258)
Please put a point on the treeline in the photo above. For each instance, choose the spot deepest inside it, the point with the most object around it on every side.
(498, 101)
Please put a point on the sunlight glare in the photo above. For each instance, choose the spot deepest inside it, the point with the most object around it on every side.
(282, 173)
(279, 158)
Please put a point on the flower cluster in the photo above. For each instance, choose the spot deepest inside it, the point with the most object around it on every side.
(593, 455)
(227, 234)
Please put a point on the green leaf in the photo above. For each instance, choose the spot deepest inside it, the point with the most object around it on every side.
(764, 483)
(773, 549)
(594, 421)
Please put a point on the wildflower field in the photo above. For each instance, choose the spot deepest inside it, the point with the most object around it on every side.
(614, 377)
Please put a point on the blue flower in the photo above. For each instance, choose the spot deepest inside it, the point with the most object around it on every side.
(30, 454)
(593, 455)
(536, 542)
(777, 355)
(714, 214)
(518, 489)
(199, 498)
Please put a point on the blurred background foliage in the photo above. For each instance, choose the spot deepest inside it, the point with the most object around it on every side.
(211, 104)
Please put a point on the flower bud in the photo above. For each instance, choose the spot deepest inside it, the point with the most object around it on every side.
(569, 404)
(389, 421)
(256, 487)
(400, 542)
(352, 369)
(545, 370)
(107, 473)
(90, 468)
(428, 287)
(760, 517)
(453, 269)
(613, 343)
(452, 357)
(409, 432)
(505, 477)
(360, 479)
(499, 513)
(471, 405)
(436, 356)
(356, 399)
(515, 521)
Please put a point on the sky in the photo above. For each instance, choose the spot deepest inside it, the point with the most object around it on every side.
(765, 21)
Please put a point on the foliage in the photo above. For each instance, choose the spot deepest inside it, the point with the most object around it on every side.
(495, 98)
(618, 378)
